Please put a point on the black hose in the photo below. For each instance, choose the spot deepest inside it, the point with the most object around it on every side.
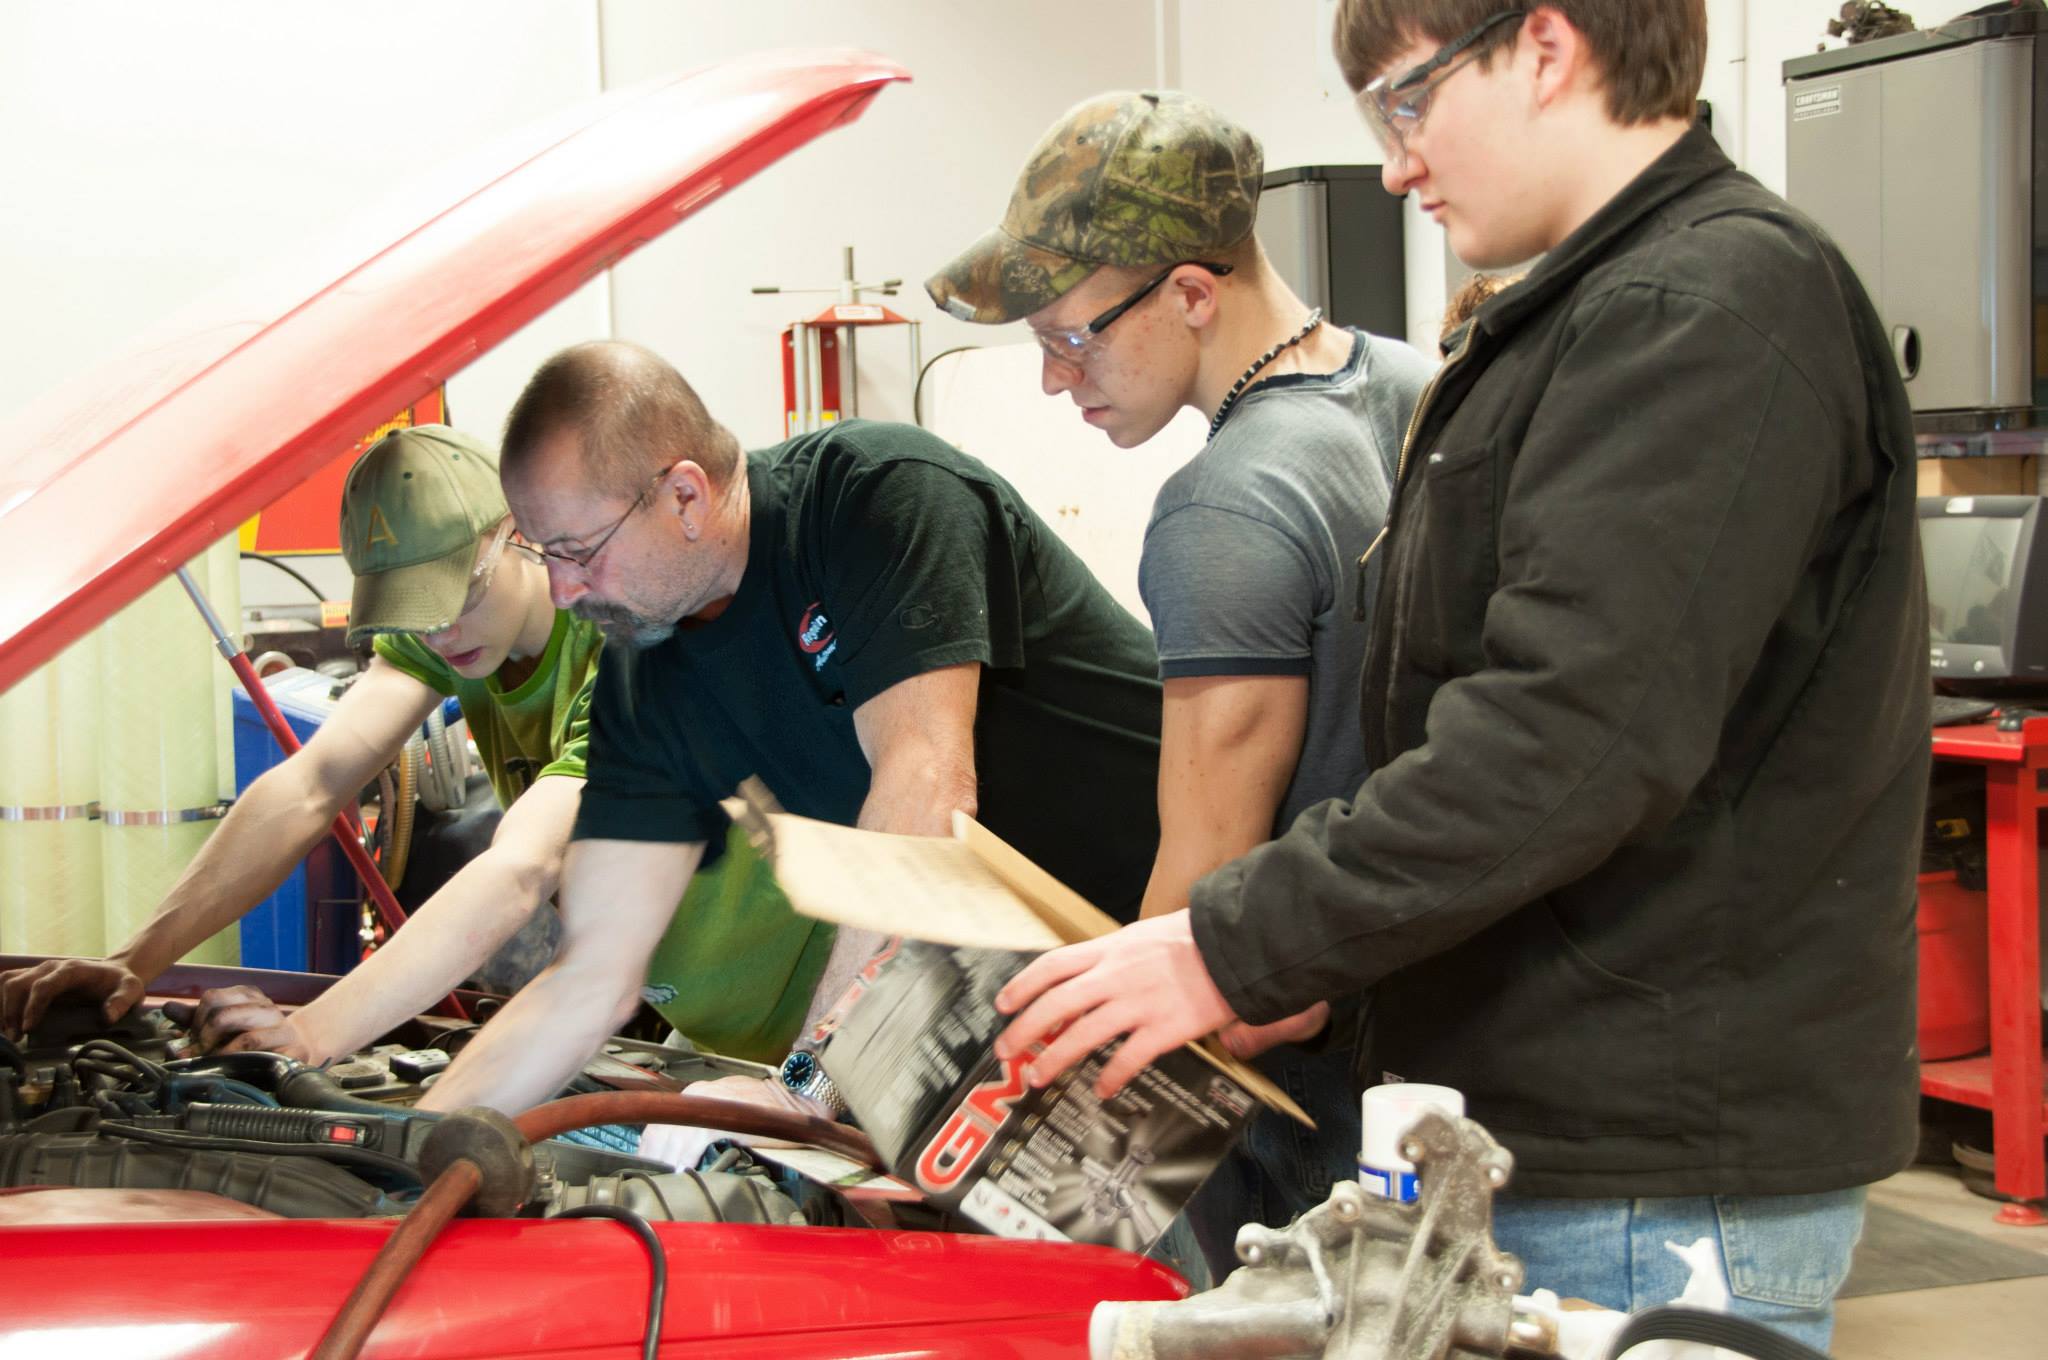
(293, 1083)
(101, 1055)
(917, 388)
(264, 1071)
(1740, 1335)
(288, 570)
(396, 1166)
(116, 1081)
(311, 1089)
(657, 1292)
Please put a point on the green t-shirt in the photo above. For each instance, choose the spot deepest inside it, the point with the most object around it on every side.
(542, 727)
(736, 967)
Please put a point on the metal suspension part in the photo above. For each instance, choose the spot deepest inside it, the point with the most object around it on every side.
(1359, 1277)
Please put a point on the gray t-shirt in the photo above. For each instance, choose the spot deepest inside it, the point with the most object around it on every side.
(1251, 559)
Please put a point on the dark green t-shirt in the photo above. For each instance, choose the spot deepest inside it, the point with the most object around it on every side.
(879, 552)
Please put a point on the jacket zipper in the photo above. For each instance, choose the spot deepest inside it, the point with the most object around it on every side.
(1401, 464)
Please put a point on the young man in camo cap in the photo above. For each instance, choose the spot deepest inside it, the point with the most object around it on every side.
(1128, 250)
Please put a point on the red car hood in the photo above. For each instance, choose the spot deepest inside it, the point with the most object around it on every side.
(105, 489)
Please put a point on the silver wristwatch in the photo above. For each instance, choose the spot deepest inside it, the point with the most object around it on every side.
(802, 1074)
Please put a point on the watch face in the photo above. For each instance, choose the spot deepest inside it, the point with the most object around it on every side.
(798, 1069)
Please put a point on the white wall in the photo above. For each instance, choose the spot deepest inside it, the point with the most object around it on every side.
(925, 171)
(1778, 31)
(150, 152)
(1280, 79)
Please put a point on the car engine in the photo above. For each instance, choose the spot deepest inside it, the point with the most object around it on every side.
(89, 1105)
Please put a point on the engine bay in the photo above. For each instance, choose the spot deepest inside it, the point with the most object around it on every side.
(125, 1106)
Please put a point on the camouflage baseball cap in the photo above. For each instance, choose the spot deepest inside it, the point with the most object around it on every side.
(1123, 179)
(412, 511)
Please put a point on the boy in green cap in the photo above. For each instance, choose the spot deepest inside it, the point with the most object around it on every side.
(458, 608)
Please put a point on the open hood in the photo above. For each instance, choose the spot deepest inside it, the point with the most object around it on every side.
(108, 488)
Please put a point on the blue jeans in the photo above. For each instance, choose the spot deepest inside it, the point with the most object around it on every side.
(1784, 1255)
(1279, 1169)
(1179, 1250)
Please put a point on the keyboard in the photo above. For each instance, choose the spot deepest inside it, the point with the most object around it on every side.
(1950, 709)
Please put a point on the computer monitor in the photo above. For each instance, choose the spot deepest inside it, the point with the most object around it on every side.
(1987, 591)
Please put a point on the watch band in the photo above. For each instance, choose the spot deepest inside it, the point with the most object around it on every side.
(802, 1074)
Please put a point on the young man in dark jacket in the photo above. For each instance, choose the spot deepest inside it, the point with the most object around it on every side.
(1645, 696)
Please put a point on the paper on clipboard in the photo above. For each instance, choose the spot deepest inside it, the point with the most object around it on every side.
(926, 887)
(973, 890)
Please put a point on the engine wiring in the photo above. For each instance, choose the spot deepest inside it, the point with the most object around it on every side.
(130, 1092)
(395, 1166)
(123, 1083)
(657, 1290)
(117, 1081)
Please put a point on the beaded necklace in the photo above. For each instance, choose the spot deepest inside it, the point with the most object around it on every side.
(1315, 319)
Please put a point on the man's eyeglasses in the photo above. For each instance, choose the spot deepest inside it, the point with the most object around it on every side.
(582, 560)
(1394, 106)
(1073, 347)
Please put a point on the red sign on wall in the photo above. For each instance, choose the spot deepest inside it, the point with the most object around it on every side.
(307, 520)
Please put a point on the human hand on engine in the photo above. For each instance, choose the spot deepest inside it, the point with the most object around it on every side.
(682, 1145)
(242, 1019)
(26, 993)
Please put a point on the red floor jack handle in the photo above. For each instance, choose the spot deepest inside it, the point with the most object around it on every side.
(347, 833)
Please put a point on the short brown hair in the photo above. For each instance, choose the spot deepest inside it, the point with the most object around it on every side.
(1652, 53)
(631, 411)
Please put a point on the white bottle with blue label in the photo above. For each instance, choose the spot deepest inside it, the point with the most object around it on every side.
(1387, 1113)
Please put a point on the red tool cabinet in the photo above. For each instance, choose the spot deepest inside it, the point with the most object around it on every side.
(2008, 1080)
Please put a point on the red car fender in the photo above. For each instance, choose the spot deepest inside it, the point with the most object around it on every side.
(522, 1287)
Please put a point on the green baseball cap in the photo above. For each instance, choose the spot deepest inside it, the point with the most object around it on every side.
(412, 511)
(1131, 180)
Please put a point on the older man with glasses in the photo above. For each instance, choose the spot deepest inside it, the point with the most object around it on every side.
(865, 618)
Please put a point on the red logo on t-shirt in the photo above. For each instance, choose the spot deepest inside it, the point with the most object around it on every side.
(813, 631)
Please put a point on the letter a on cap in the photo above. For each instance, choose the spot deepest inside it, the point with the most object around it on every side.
(380, 528)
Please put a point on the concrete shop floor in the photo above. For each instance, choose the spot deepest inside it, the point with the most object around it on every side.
(2001, 1320)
